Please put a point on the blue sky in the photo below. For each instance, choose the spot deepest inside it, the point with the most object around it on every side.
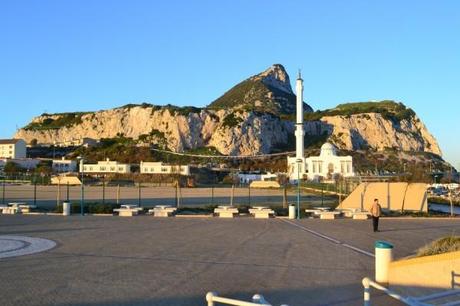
(58, 56)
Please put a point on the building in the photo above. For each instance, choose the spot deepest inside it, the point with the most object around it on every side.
(107, 166)
(64, 165)
(327, 165)
(77, 142)
(161, 168)
(247, 178)
(24, 163)
(12, 148)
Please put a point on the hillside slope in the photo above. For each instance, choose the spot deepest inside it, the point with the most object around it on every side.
(254, 117)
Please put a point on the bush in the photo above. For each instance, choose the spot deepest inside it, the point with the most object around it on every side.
(440, 246)
(196, 210)
(231, 121)
(90, 208)
(62, 120)
(389, 110)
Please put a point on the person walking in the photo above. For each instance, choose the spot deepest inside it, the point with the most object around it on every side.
(376, 211)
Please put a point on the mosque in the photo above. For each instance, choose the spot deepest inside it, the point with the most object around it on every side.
(326, 165)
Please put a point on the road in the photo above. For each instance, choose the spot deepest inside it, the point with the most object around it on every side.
(176, 261)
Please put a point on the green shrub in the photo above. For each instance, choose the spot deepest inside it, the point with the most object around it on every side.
(63, 120)
(231, 121)
(196, 210)
(90, 208)
(440, 246)
(389, 110)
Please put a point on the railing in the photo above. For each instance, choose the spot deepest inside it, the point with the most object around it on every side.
(257, 300)
(411, 301)
(368, 283)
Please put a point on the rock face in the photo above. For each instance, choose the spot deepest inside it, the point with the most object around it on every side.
(372, 131)
(254, 117)
(246, 133)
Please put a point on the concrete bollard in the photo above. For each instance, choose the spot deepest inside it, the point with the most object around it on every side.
(66, 209)
(292, 211)
(383, 257)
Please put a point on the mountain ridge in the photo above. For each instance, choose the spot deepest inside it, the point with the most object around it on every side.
(246, 122)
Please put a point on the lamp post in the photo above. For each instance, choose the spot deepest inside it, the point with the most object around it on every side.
(299, 162)
(82, 191)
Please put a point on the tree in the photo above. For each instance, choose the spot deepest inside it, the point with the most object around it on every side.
(11, 168)
(44, 167)
(33, 142)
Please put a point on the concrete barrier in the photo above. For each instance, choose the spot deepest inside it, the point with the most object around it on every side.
(424, 275)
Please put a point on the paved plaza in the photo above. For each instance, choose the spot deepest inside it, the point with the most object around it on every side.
(152, 261)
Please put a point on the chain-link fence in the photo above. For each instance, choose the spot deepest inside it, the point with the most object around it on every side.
(49, 197)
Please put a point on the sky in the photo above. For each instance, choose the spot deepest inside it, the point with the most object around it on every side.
(59, 56)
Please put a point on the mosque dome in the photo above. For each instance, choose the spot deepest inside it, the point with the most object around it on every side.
(328, 149)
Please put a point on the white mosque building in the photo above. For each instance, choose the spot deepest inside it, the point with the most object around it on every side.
(326, 165)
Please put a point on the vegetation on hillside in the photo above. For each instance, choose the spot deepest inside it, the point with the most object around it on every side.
(154, 137)
(174, 110)
(389, 110)
(231, 120)
(64, 120)
(254, 95)
(70, 119)
(122, 149)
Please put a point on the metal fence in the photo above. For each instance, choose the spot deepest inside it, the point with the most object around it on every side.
(148, 195)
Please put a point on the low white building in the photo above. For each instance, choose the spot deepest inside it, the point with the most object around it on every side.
(64, 165)
(24, 163)
(12, 148)
(326, 165)
(75, 142)
(161, 168)
(248, 177)
(106, 166)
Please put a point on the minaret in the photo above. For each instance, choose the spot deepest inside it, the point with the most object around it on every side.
(299, 131)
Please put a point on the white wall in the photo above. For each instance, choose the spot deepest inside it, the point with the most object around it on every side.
(160, 168)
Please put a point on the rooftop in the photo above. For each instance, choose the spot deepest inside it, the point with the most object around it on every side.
(9, 141)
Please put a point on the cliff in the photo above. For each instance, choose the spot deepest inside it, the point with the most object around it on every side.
(254, 117)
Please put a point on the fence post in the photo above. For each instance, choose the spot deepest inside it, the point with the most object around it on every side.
(212, 195)
(233, 194)
(58, 197)
(322, 195)
(177, 200)
(118, 194)
(103, 190)
(249, 194)
(35, 192)
(139, 195)
(285, 205)
(3, 191)
(68, 189)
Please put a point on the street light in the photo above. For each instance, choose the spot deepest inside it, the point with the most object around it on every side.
(299, 162)
(82, 199)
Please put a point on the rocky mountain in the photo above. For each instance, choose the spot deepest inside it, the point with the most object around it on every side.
(254, 117)
(269, 91)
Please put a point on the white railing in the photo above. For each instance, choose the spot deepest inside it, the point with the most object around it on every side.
(368, 283)
(411, 301)
(257, 300)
